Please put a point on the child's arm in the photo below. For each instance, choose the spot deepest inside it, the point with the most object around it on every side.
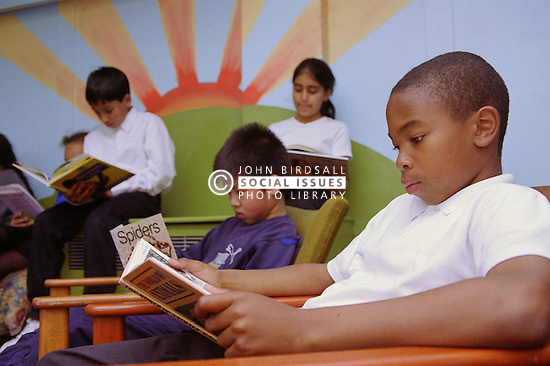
(507, 308)
(298, 279)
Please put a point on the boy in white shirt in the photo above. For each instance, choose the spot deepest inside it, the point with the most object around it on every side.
(136, 141)
(461, 260)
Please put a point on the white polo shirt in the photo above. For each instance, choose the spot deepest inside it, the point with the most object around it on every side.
(325, 135)
(411, 247)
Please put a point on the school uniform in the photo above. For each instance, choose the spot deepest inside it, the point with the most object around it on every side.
(141, 145)
(325, 135)
(407, 248)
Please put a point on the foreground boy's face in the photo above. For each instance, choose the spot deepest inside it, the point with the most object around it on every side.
(436, 154)
(112, 113)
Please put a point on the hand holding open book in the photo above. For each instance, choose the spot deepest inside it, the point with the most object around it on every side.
(81, 168)
(18, 199)
(176, 292)
(301, 156)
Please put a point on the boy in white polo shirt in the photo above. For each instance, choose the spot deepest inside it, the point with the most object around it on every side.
(461, 260)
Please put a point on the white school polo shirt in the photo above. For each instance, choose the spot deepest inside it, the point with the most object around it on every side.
(325, 135)
(411, 247)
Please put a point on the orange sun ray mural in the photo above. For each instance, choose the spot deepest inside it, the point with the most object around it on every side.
(230, 72)
(251, 10)
(363, 16)
(302, 40)
(178, 19)
(348, 22)
(100, 25)
(21, 47)
(325, 27)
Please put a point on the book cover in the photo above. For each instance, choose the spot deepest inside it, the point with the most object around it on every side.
(175, 292)
(81, 168)
(18, 199)
(152, 229)
(321, 163)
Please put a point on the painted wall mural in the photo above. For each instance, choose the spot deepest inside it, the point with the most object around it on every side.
(207, 66)
(99, 24)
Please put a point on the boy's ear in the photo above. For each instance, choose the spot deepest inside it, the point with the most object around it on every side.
(487, 126)
(127, 100)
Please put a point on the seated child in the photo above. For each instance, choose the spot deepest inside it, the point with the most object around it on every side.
(15, 227)
(73, 146)
(260, 235)
(461, 260)
(136, 141)
(313, 128)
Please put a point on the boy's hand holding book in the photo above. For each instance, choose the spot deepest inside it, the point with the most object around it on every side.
(148, 274)
(81, 192)
(249, 324)
(207, 273)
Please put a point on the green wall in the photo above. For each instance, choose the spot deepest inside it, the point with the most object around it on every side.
(199, 134)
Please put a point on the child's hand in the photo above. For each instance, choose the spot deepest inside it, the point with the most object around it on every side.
(80, 192)
(250, 324)
(19, 219)
(202, 270)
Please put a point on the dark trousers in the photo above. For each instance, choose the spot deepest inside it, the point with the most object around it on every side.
(174, 347)
(60, 223)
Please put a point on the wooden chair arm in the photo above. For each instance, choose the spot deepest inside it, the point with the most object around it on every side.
(49, 302)
(109, 326)
(62, 286)
(138, 306)
(392, 356)
(54, 317)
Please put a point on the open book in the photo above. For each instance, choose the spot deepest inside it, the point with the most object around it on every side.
(81, 168)
(176, 292)
(18, 199)
(321, 164)
(152, 229)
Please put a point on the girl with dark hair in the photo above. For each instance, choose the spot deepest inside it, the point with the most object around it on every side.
(313, 127)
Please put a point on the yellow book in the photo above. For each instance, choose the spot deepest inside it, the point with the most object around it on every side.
(81, 168)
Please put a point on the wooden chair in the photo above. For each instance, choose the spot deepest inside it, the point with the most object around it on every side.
(391, 356)
(317, 227)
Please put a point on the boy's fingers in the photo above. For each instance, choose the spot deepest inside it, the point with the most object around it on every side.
(213, 304)
(214, 290)
(184, 263)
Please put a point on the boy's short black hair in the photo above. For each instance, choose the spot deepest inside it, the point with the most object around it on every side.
(464, 82)
(254, 146)
(106, 84)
